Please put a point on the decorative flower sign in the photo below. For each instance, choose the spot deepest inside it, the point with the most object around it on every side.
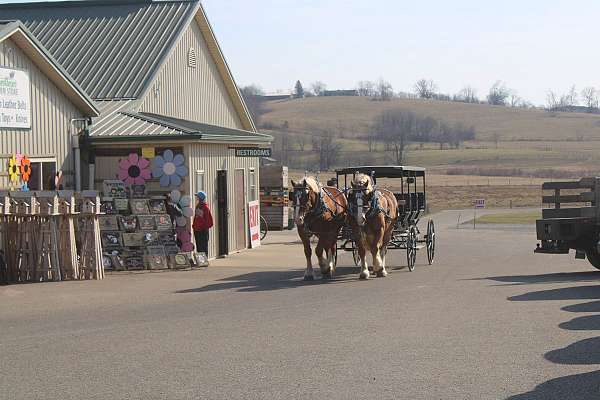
(13, 169)
(134, 170)
(169, 168)
(25, 169)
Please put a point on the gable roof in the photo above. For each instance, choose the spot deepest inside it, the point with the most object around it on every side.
(115, 48)
(40, 56)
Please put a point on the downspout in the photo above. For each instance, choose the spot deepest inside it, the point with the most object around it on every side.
(77, 151)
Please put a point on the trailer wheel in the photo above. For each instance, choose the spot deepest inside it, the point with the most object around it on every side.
(593, 256)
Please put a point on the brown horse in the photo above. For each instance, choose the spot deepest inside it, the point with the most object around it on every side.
(319, 211)
(373, 215)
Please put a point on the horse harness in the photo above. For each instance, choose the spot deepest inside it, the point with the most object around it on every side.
(320, 208)
(376, 208)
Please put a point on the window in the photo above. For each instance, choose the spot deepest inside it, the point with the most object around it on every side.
(43, 174)
(252, 185)
(199, 180)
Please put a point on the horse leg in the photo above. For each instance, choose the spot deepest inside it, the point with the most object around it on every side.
(309, 274)
(362, 254)
(323, 261)
(378, 263)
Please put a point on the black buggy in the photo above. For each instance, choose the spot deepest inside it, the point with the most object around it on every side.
(408, 186)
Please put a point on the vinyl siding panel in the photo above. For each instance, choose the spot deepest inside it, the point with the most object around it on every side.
(196, 94)
(52, 111)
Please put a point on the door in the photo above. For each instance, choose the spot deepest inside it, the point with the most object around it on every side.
(240, 210)
(222, 214)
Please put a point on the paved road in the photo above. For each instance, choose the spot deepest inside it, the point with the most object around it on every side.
(489, 320)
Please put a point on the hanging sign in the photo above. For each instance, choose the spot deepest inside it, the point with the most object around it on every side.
(148, 152)
(254, 223)
(252, 152)
(15, 102)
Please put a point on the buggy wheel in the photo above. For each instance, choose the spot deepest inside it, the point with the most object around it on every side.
(430, 241)
(593, 256)
(264, 228)
(411, 248)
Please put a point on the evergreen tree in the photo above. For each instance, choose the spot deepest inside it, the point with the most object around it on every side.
(299, 90)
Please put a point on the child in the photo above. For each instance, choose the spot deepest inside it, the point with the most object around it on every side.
(203, 221)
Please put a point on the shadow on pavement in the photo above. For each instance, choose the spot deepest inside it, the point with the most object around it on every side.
(587, 323)
(570, 293)
(273, 280)
(580, 387)
(583, 352)
(592, 306)
(566, 277)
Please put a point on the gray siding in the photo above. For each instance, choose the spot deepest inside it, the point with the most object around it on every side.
(196, 94)
(210, 158)
(52, 112)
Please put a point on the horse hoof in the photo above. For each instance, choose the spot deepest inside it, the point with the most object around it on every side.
(381, 274)
(309, 278)
(363, 276)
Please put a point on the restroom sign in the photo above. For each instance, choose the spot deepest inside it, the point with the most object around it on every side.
(15, 101)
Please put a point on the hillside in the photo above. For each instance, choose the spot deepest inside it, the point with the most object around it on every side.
(509, 141)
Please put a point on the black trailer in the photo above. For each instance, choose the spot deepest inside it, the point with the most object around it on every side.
(409, 189)
(571, 219)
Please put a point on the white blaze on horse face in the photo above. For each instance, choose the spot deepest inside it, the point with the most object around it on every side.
(360, 214)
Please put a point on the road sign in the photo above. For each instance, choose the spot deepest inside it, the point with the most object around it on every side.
(480, 203)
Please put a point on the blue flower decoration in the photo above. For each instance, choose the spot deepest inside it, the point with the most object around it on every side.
(169, 168)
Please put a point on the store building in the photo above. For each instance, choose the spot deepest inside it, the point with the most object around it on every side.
(42, 110)
(159, 82)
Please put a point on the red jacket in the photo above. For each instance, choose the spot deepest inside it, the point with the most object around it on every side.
(203, 219)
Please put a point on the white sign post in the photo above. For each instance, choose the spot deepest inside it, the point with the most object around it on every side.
(15, 99)
(479, 203)
(254, 223)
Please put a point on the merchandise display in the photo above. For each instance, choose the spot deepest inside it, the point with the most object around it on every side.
(136, 231)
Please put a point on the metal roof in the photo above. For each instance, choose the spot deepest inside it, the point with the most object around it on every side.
(41, 57)
(118, 120)
(111, 48)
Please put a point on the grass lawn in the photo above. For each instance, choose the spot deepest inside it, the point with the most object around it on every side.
(510, 218)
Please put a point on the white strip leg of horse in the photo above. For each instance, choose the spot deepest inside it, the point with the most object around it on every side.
(309, 274)
(364, 268)
(378, 264)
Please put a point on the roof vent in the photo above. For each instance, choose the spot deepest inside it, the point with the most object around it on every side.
(192, 62)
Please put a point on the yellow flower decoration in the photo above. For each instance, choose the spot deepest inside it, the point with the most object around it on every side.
(14, 169)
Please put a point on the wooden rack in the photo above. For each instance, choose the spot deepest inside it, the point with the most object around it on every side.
(49, 236)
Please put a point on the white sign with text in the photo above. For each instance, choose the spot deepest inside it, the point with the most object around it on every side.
(15, 99)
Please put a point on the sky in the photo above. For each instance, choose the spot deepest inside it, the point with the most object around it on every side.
(533, 46)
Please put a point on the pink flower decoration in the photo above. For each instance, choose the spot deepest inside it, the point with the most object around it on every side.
(134, 170)
(18, 157)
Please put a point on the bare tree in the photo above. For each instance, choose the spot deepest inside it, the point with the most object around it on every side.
(425, 89)
(395, 128)
(385, 91)
(327, 149)
(301, 142)
(590, 97)
(468, 94)
(318, 88)
(513, 99)
(366, 88)
(565, 102)
(498, 94)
